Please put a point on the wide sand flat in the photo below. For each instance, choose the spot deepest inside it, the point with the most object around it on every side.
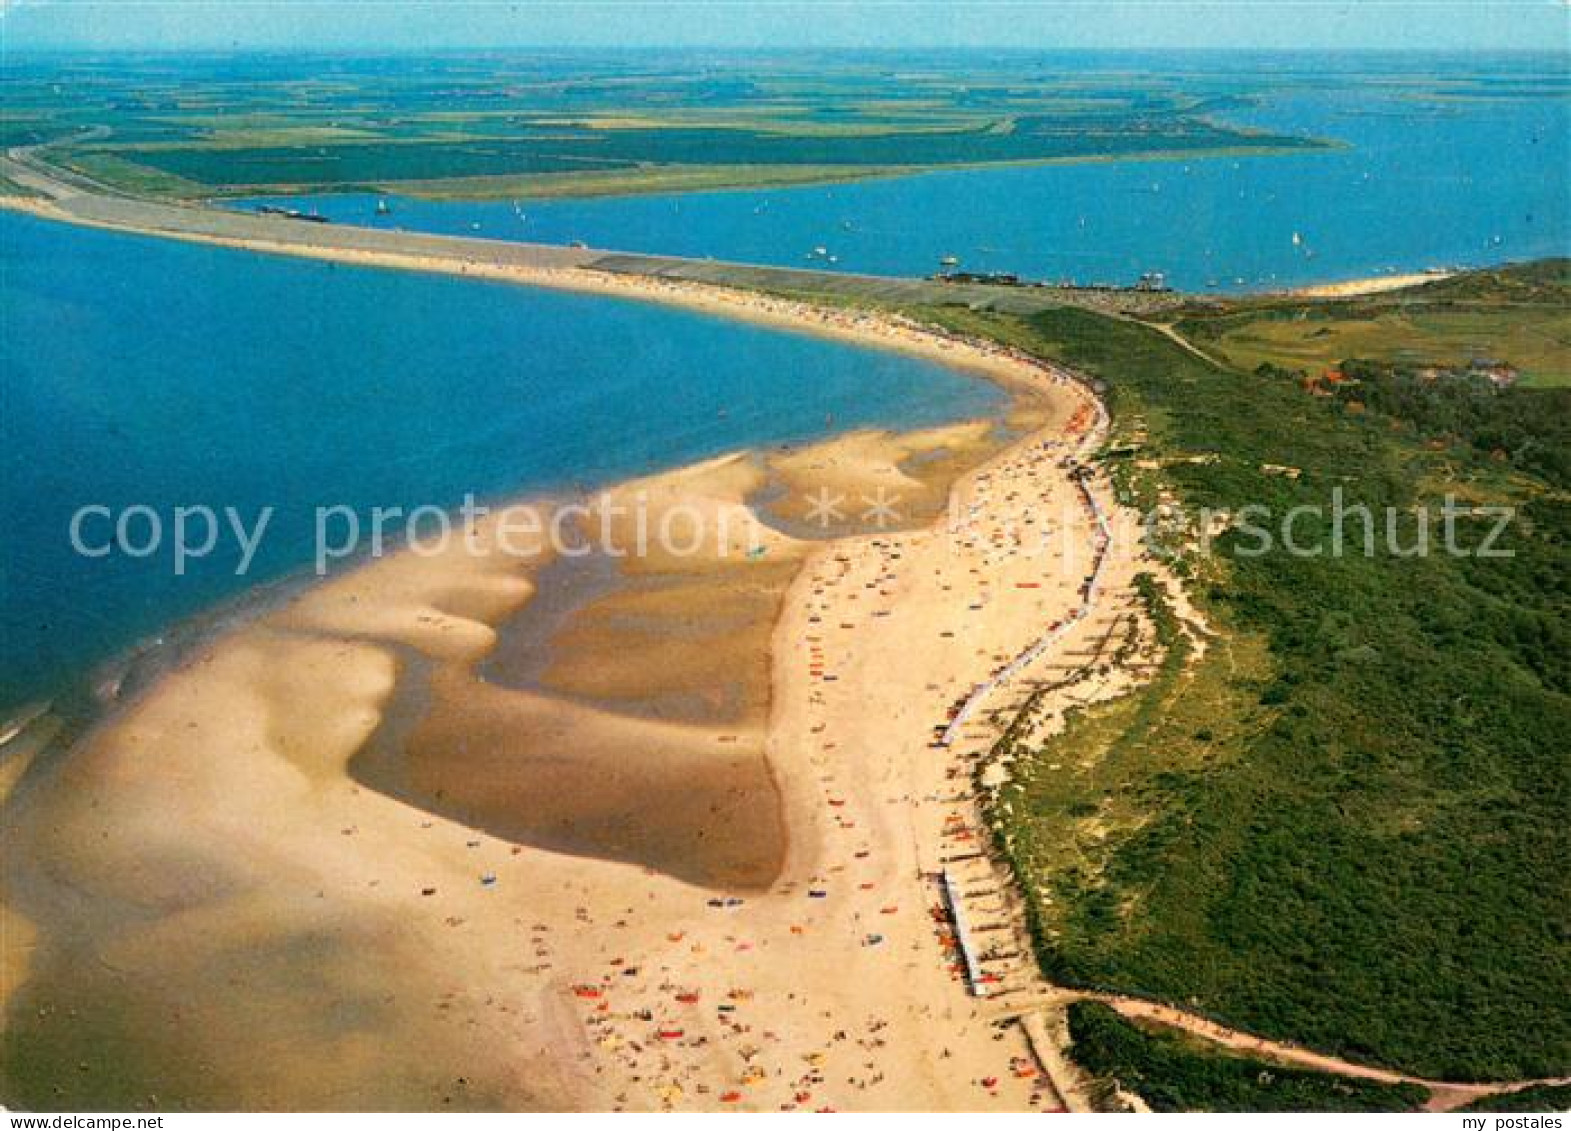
(353, 855)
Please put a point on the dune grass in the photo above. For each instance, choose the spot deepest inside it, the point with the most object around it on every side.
(1343, 826)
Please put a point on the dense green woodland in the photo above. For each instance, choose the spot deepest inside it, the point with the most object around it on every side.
(1529, 428)
(1345, 825)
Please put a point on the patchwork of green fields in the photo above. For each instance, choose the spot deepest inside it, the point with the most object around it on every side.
(213, 126)
(597, 149)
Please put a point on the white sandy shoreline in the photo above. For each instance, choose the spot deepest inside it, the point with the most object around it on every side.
(882, 331)
(1371, 285)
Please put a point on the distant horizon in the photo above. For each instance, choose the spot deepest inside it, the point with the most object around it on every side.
(375, 50)
(399, 27)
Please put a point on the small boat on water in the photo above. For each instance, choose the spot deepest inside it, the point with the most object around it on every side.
(383, 208)
(292, 214)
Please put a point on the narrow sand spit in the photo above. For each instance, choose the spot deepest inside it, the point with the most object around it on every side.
(883, 331)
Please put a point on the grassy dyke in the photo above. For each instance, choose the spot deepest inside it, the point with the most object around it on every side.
(638, 181)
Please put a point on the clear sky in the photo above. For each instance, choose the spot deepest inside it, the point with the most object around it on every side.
(434, 24)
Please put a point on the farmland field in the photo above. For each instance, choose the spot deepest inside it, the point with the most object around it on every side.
(219, 125)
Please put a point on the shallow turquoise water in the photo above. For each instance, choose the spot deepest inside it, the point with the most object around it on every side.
(1420, 184)
(139, 371)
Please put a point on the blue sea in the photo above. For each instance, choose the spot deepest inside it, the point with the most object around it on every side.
(144, 372)
(1417, 182)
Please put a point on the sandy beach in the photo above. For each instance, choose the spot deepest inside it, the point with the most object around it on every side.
(1377, 284)
(489, 830)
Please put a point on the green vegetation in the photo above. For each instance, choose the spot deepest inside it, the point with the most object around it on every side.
(593, 149)
(636, 180)
(8, 187)
(1172, 1072)
(1546, 1098)
(1343, 823)
(574, 125)
(1510, 429)
(126, 176)
(1521, 316)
